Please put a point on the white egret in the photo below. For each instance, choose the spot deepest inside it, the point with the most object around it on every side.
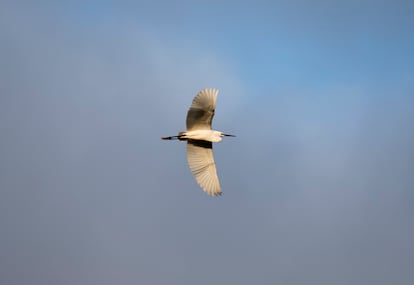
(200, 138)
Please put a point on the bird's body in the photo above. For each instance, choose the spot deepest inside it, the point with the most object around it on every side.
(199, 137)
(204, 135)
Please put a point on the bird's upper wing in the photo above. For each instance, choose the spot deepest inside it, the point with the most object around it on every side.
(201, 112)
(201, 161)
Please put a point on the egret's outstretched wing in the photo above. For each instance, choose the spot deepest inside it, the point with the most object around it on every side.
(201, 112)
(201, 161)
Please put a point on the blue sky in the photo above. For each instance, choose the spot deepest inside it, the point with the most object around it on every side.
(317, 184)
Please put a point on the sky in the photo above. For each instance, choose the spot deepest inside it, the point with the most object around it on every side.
(317, 185)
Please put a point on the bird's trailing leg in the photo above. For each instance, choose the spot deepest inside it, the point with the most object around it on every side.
(179, 137)
(170, 138)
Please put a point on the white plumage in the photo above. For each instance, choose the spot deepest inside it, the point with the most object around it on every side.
(200, 138)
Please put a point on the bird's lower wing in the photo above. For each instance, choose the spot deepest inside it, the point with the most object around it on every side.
(201, 161)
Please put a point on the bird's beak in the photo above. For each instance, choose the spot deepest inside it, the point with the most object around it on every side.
(227, 135)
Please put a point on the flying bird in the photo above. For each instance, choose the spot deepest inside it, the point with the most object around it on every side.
(200, 137)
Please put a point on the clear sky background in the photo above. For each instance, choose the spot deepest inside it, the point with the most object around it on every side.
(318, 184)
